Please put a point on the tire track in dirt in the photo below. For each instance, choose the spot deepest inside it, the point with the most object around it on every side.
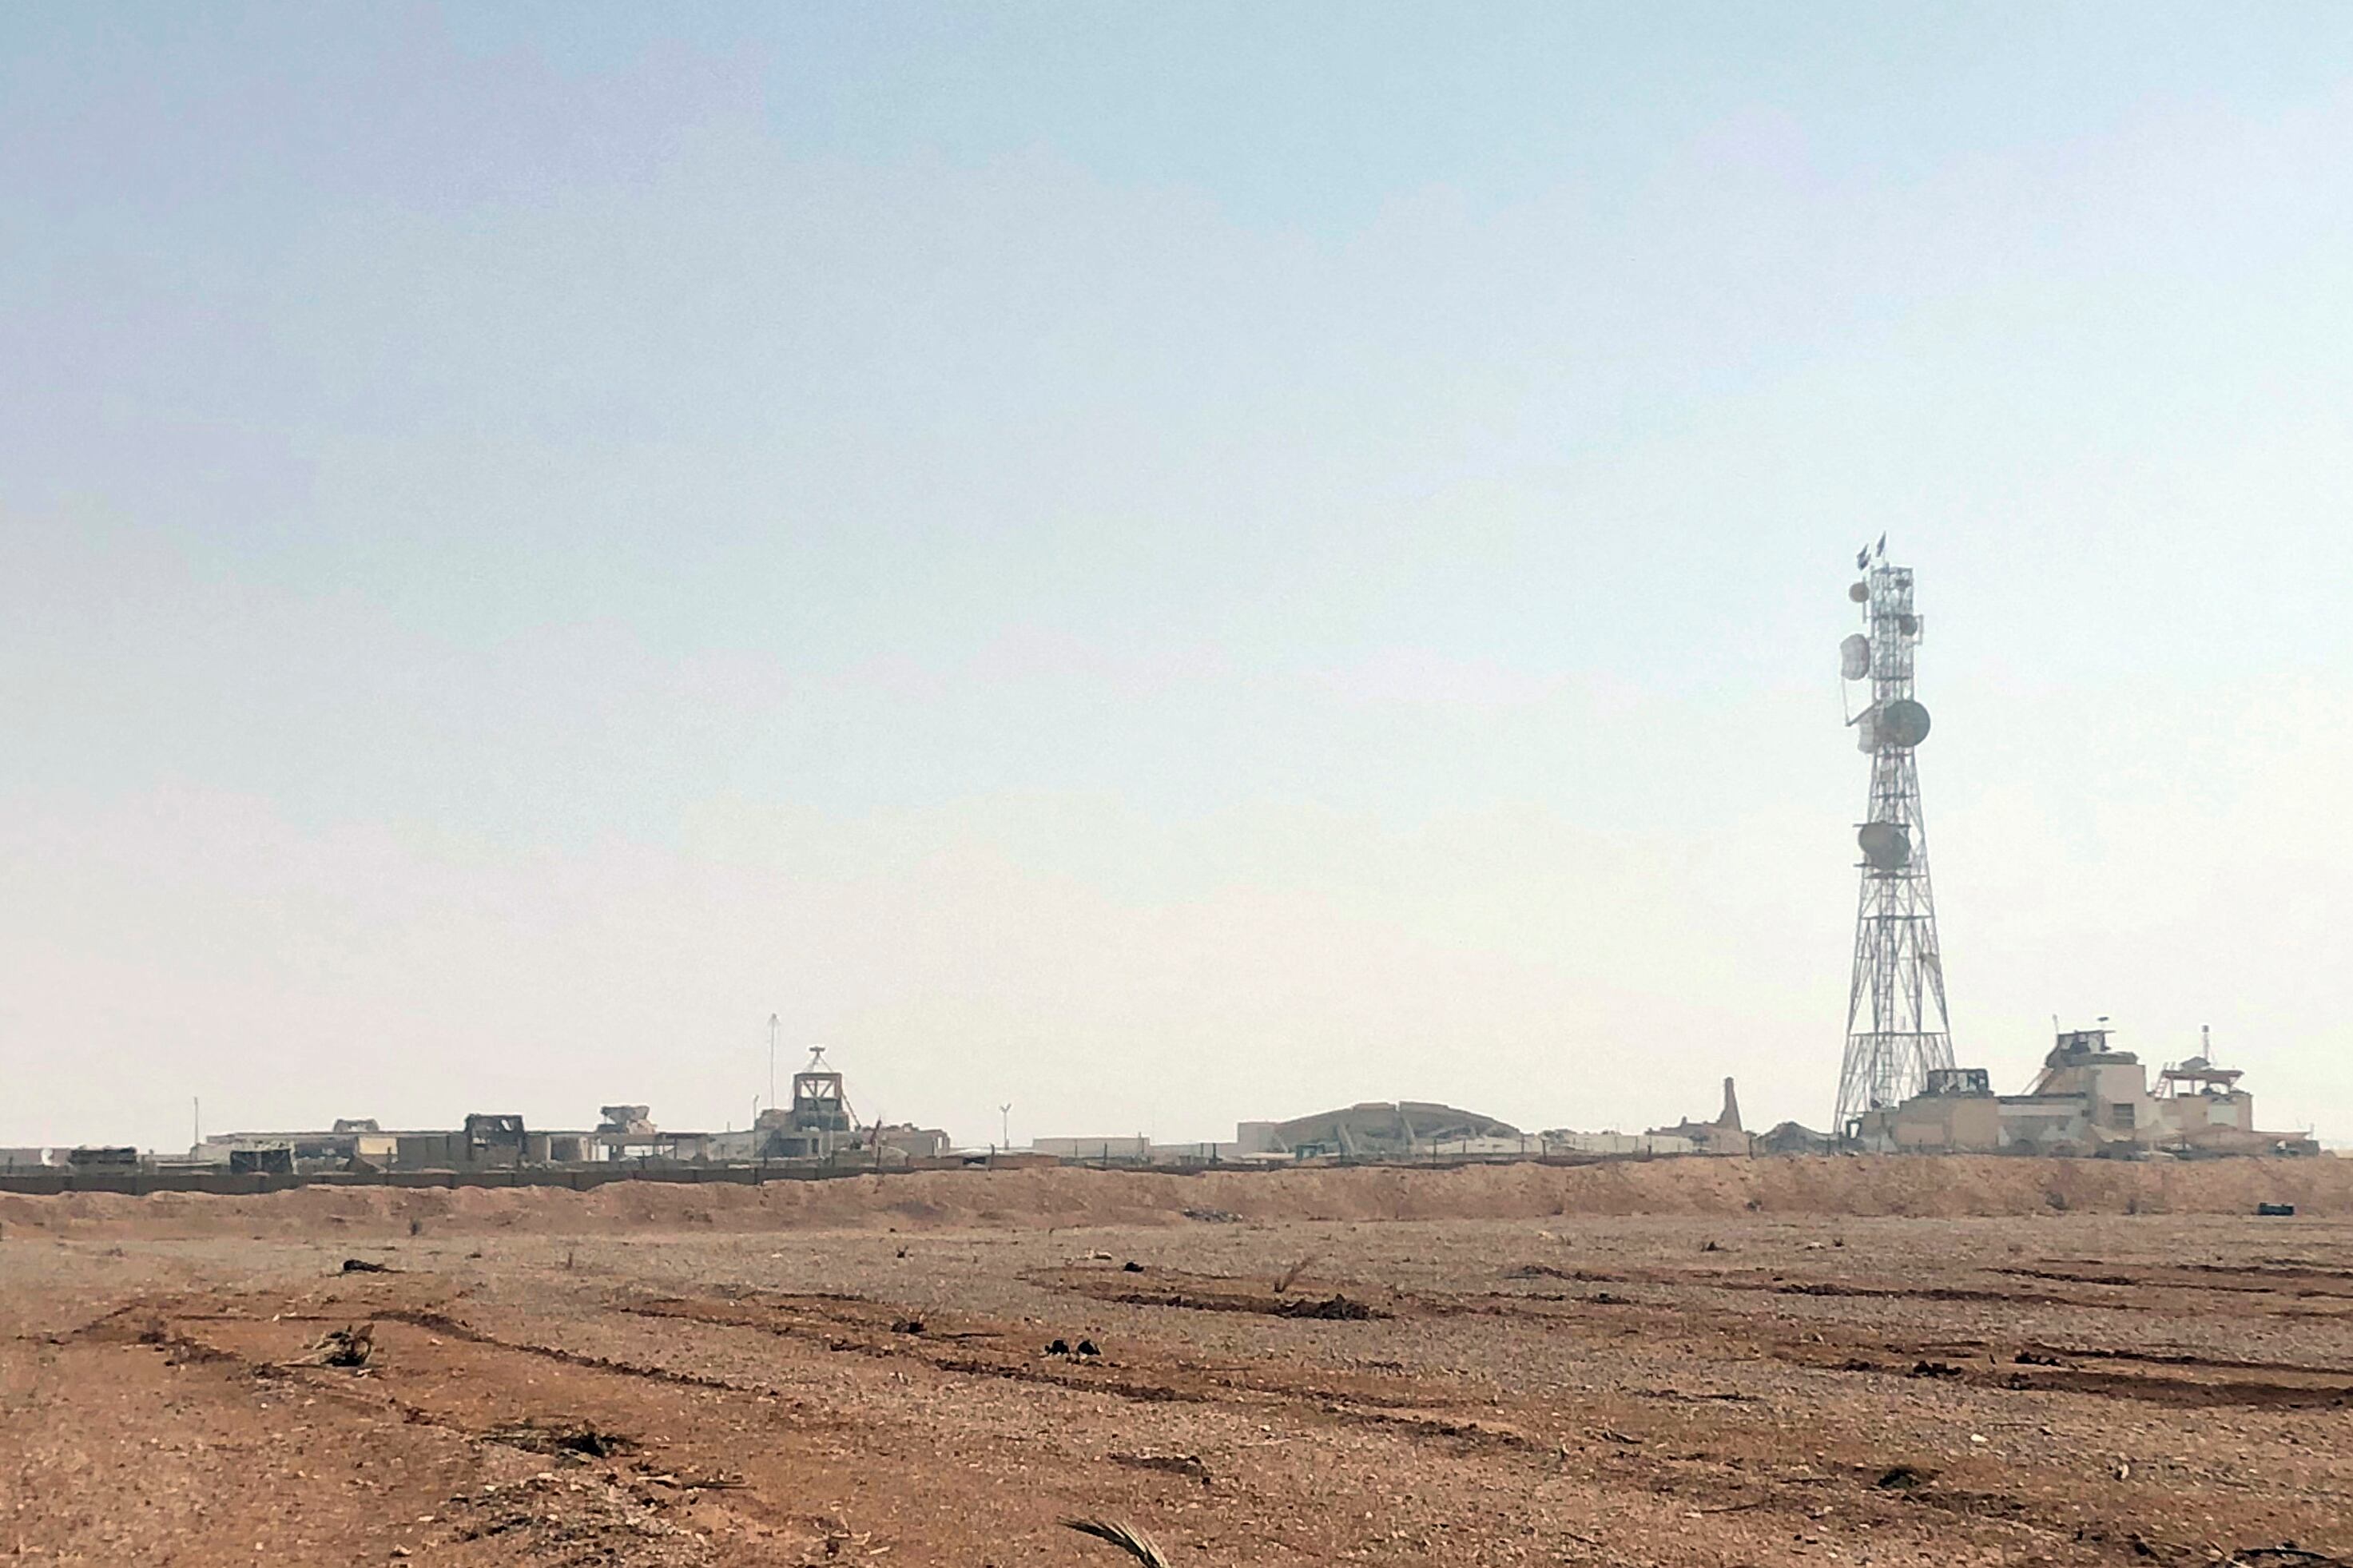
(1608, 1456)
(1150, 1380)
(2289, 1385)
(2186, 1392)
(1748, 1334)
(604, 1512)
(2314, 1283)
(442, 1322)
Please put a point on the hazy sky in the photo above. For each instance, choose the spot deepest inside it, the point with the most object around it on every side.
(1163, 564)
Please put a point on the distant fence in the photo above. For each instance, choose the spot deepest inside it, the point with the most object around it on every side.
(56, 1180)
(138, 1184)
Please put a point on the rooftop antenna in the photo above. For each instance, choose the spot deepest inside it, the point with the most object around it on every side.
(1897, 1026)
(772, 1026)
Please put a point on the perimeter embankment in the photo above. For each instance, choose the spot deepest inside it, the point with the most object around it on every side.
(1929, 1186)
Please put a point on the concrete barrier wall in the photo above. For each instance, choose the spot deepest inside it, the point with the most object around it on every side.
(52, 1182)
(55, 1180)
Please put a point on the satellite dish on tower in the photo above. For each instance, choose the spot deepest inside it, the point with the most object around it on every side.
(1886, 845)
(1854, 656)
(1898, 1036)
(1902, 724)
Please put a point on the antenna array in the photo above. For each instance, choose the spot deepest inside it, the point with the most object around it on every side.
(1896, 1027)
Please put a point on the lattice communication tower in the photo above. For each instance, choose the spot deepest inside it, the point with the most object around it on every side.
(1896, 1027)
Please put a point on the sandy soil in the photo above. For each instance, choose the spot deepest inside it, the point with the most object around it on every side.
(692, 1377)
(1947, 1188)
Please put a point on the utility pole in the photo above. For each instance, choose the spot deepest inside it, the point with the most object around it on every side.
(1005, 1112)
(772, 1026)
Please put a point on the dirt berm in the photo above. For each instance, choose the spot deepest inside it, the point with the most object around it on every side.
(1916, 1185)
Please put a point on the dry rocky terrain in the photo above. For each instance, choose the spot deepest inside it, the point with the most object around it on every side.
(1717, 1362)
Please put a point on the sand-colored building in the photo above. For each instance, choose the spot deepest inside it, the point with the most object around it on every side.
(2091, 1098)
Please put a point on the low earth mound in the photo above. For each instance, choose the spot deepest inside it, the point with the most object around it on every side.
(1925, 1186)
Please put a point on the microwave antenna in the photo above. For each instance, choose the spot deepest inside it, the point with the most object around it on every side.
(1897, 1026)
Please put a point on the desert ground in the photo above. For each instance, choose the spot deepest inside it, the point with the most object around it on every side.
(1690, 1362)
